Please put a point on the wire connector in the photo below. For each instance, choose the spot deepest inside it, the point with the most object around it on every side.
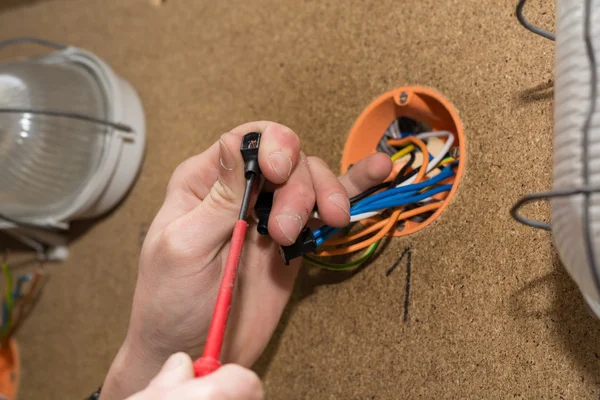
(305, 244)
(263, 210)
(249, 150)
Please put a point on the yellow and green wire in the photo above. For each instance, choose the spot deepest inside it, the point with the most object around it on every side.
(339, 267)
(8, 297)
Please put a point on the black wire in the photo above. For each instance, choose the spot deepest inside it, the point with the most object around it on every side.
(63, 114)
(586, 191)
(247, 196)
(528, 25)
(368, 192)
(385, 185)
(398, 179)
(409, 175)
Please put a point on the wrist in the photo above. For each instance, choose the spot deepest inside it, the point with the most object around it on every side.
(130, 372)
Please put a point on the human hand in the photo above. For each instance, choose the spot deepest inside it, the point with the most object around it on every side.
(186, 247)
(176, 381)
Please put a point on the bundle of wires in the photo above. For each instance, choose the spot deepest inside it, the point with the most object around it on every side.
(16, 304)
(414, 193)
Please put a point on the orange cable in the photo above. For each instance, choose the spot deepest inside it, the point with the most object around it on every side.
(374, 227)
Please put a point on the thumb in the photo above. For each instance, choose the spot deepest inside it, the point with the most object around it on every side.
(223, 201)
(211, 222)
(176, 370)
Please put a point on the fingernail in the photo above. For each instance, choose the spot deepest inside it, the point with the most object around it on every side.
(281, 164)
(225, 157)
(290, 226)
(174, 362)
(341, 202)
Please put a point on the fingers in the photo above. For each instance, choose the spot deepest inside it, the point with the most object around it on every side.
(278, 154)
(292, 204)
(311, 179)
(366, 173)
(332, 199)
(230, 382)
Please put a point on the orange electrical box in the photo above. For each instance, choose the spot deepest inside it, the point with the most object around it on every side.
(420, 104)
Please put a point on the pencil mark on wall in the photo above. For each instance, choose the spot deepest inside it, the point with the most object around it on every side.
(407, 253)
(407, 287)
(398, 261)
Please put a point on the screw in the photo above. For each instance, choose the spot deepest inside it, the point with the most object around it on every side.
(403, 97)
(455, 152)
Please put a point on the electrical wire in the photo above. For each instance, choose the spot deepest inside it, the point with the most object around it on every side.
(340, 267)
(24, 306)
(8, 295)
(402, 173)
(16, 296)
(430, 166)
(415, 187)
(528, 25)
(401, 199)
(385, 185)
(403, 152)
(409, 190)
(369, 192)
(380, 224)
(359, 214)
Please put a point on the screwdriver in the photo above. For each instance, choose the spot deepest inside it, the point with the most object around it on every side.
(210, 360)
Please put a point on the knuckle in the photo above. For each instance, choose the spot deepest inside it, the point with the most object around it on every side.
(317, 161)
(170, 243)
(303, 192)
(225, 137)
(176, 176)
(222, 195)
(287, 134)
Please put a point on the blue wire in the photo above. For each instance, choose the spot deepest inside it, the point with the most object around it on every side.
(391, 198)
(16, 295)
(396, 202)
(326, 236)
(446, 173)
(325, 232)
(20, 281)
(321, 231)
